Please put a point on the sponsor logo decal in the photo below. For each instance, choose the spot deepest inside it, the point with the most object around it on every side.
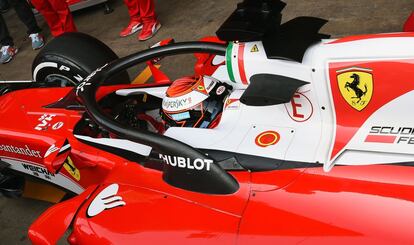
(254, 49)
(182, 162)
(267, 138)
(45, 121)
(200, 87)
(57, 125)
(176, 104)
(94, 73)
(71, 168)
(356, 86)
(232, 104)
(38, 171)
(220, 90)
(78, 77)
(51, 149)
(181, 116)
(300, 108)
(25, 151)
(106, 199)
(391, 135)
(81, 87)
(211, 84)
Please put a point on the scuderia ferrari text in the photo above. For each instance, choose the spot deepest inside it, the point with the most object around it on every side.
(402, 135)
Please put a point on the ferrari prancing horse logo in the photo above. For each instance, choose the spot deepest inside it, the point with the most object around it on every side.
(356, 86)
(71, 168)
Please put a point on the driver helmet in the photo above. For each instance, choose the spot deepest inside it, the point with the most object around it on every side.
(194, 101)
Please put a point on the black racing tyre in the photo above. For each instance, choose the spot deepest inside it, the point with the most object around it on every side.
(4, 6)
(71, 57)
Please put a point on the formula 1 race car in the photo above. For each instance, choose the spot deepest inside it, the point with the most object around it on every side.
(311, 142)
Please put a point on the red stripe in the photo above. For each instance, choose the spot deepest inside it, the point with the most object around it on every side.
(380, 139)
(241, 64)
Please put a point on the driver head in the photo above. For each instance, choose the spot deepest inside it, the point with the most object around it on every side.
(194, 102)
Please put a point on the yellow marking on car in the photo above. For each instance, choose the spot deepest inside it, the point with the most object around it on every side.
(144, 76)
(71, 168)
(254, 49)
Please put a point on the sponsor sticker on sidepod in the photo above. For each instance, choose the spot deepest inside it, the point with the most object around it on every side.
(182, 162)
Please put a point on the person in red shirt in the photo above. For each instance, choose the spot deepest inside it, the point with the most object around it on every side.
(57, 15)
(142, 16)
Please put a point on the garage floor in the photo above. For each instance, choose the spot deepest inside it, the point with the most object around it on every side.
(184, 20)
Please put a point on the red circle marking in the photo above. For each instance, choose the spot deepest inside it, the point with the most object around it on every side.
(267, 138)
(307, 117)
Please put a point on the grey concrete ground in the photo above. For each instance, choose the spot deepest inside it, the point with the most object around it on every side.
(184, 20)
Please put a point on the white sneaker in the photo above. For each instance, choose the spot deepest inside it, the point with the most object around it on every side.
(38, 41)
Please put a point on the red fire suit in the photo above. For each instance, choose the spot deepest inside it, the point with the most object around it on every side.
(141, 10)
(57, 15)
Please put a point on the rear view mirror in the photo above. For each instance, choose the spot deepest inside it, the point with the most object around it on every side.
(56, 155)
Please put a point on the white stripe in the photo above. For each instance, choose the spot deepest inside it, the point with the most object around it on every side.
(65, 147)
(354, 68)
(156, 91)
(120, 144)
(136, 28)
(217, 60)
(58, 179)
(41, 66)
(183, 102)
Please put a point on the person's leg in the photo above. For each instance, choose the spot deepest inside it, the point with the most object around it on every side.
(61, 8)
(5, 38)
(133, 9)
(149, 19)
(50, 16)
(147, 10)
(135, 23)
(24, 12)
(7, 51)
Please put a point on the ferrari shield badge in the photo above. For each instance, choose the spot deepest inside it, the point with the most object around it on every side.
(356, 86)
(71, 168)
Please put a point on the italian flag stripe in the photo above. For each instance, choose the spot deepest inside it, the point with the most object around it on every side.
(228, 61)
(241, 64)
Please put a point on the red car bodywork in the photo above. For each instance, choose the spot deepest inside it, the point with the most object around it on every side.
(287, 207)
(18, 130)
(351, 204)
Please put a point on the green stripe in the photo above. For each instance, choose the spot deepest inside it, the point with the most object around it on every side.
(228, 62)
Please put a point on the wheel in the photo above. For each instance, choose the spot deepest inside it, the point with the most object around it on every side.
(4, 6)
(71, 57)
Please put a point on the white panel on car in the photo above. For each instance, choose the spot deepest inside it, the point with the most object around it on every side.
(388, 130)
(262, 140)
(354, 157)
(156, 91)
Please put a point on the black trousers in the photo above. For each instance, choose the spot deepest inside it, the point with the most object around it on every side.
(25, 14)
